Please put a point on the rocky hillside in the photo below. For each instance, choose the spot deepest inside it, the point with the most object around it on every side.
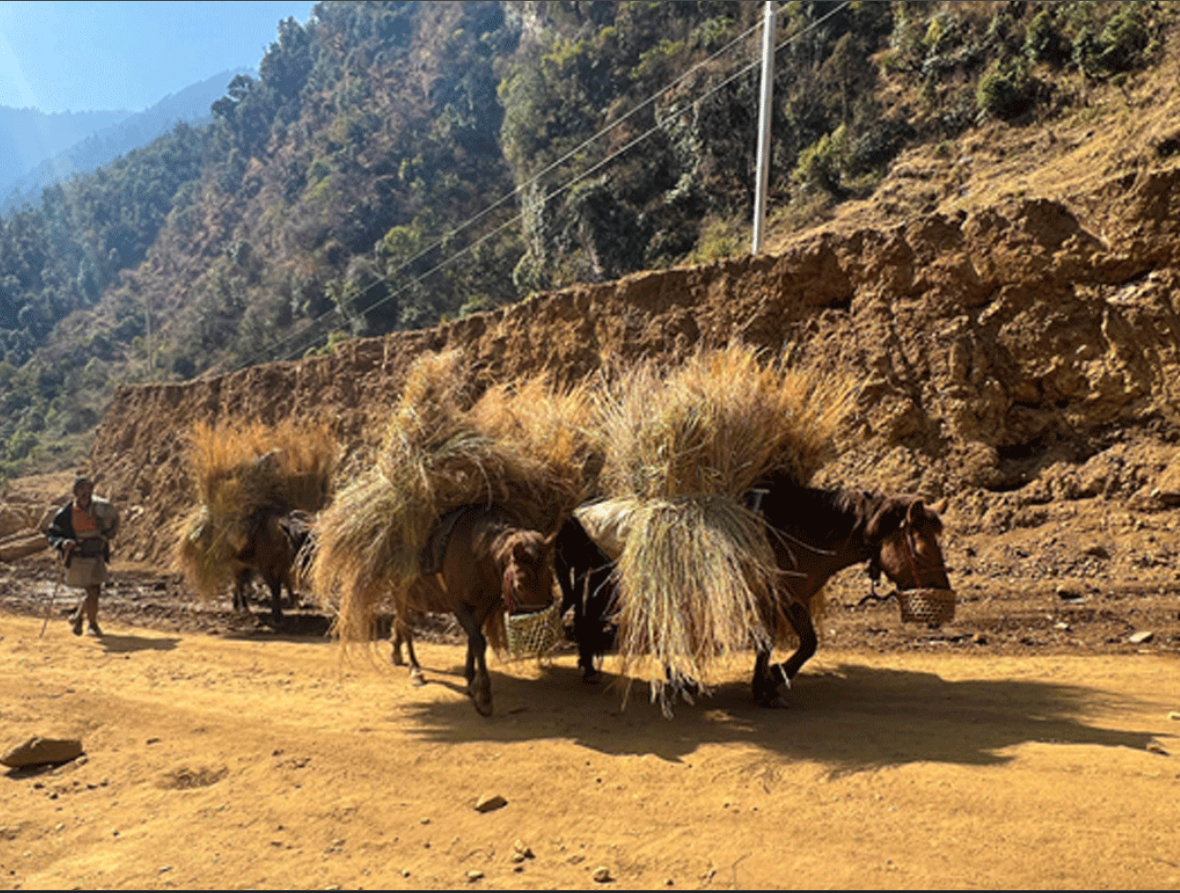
(1016, 354)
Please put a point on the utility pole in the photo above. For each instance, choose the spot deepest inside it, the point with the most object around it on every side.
(147, 315)
(762, 179)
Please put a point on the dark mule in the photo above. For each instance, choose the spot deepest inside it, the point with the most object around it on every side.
(274, 551)
(816, 533)
(486, 565)
(585, 574)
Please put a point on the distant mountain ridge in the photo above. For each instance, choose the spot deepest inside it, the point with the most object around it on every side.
(28, 136)
(37, 149)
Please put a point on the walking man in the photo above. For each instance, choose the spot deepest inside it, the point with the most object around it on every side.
(81, 531)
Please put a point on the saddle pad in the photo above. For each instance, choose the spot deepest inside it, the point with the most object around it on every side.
(607, 523)
(431, 560)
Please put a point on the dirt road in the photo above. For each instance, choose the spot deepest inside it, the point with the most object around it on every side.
(268, 762)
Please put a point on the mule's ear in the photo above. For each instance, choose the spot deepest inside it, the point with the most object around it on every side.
(550, 540)
(887, 519)
(916, 513)
(941, 505)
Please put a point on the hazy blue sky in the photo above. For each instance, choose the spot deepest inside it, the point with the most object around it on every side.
(110, 54)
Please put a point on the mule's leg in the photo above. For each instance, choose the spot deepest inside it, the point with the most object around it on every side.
(395, 639)
(479, 683)
(276, 600)
(241, 584)
(416, 676)
(767, 678)
(800, 618)
(585, 629)
(403, 633)
(765, 683)
(598, 634)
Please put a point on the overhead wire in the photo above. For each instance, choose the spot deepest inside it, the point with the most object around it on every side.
(332, 314)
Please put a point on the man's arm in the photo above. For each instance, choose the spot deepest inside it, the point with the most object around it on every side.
(61, 530)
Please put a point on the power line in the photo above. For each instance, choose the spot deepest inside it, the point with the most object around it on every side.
(564, 187)
(389, 277)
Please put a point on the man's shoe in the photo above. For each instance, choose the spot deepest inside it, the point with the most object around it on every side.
(94, 630)
(76, 624)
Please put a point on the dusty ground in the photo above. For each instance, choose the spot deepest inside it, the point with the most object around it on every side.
(1032, 743)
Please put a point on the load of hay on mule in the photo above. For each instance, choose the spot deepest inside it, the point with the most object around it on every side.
(814, 533)
(696, 575)
(456, 513)
(709, 541)
(276, 551)
(258, 488)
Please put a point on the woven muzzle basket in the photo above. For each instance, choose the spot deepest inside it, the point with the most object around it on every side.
(535, 634)
(933, 607)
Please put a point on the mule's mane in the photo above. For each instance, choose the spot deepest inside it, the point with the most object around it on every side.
(830, 514)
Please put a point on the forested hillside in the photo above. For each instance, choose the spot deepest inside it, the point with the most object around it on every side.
(396, 165)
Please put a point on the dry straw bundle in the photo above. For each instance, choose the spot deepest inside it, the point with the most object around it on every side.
(241, 472)
(697, 574)
(518, 448)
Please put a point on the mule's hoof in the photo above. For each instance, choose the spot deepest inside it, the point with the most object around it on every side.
(417, 678)
(481, 697)
(591, 677)
(774, 702)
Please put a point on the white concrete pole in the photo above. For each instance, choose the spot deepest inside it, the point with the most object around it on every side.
(762, 179)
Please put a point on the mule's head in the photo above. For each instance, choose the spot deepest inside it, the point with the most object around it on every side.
(528, 571)
(905, 534)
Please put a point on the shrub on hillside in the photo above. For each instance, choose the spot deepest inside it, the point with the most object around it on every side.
(1006, 91)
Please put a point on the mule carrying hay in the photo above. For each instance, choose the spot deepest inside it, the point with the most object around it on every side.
(439, 451)
(697, 574)
(240, 473)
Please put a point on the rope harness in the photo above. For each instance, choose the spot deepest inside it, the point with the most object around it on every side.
(508, 586)
(907, 539)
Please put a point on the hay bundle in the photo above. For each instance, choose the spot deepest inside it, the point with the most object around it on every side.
(556, 426)
(242, 472)
(441, 451)
(696, 574)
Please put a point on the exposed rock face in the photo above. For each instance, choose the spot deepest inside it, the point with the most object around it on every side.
(1031, 350)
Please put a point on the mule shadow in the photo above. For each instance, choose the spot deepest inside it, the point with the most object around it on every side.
(853, 718)
(292, 627)
(449, 677)
(128, 644)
